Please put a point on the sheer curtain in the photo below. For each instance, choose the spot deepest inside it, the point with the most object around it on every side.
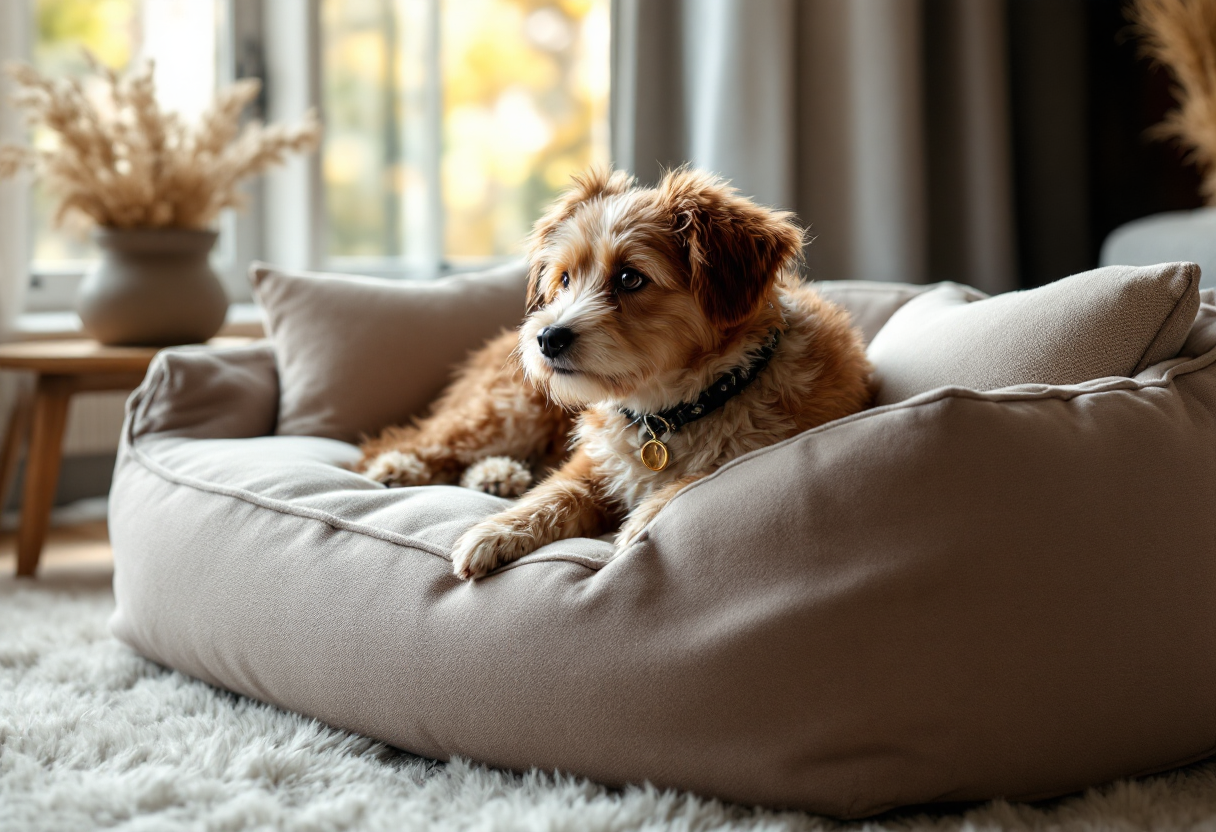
(884, 124)
(14, 222)
(14, 228)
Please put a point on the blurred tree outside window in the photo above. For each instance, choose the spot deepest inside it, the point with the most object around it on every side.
(181, 36)
(520, 92)
(450, 124)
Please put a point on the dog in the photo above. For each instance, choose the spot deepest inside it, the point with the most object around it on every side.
(667, 332)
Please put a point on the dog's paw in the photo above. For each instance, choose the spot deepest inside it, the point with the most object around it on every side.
(501, 476)
(631, 531)
(398, 468)
(487, 546)
(637, 521)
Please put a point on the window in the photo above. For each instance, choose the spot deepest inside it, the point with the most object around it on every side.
(450, 124)
(522, 94)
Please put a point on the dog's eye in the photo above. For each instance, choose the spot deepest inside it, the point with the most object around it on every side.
(631, 280)
(565, 280)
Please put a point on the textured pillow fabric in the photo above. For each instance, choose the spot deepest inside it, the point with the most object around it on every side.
(1113, 321)
(356, 354)
(962, 596)
(870, 303)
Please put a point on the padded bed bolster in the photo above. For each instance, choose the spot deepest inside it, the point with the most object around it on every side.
(961, 596)
(203, 392)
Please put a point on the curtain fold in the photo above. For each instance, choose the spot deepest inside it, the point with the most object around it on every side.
(884, 124)
(14, 223)
(14, 196)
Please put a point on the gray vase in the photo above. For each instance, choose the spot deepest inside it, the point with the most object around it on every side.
(152, 287)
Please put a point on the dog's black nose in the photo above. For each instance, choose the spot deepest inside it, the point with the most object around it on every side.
(553, 340)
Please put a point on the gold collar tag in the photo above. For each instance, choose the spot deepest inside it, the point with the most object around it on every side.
(654, 453)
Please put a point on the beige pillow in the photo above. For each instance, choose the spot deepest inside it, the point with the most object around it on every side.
(1113, 321)
(871, 303)
(339, 338)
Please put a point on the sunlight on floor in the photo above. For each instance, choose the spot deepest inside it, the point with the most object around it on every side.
(79, 549)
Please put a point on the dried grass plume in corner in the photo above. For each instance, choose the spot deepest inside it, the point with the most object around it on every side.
(1181, 36)
(126, 163)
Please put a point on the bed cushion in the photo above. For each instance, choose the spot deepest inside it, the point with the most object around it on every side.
(960, 596)
(1113, 321)
(338, 336)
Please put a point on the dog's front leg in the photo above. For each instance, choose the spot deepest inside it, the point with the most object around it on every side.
(480, 433)
(570, 503)
(646, 510)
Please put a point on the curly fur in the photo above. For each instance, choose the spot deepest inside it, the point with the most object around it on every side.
(720, 273)
(489, 410)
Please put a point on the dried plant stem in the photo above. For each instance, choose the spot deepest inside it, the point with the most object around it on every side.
(1181, 35)
(132, 165)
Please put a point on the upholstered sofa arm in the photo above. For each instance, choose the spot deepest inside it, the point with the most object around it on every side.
(207, 393)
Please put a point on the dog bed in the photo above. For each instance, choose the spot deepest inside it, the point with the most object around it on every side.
(958, 596)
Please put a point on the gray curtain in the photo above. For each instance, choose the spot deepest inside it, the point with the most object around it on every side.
(883, 124)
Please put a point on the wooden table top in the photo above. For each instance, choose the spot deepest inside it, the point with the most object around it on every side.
(81, 356)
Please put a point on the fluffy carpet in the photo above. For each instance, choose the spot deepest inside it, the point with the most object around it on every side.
(92, 736)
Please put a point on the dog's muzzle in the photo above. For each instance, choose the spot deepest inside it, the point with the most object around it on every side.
(554, 340)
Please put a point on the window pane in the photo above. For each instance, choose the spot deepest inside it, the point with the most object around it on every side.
(469, 123)
(525, 88)
(180, 35)
(377, 87)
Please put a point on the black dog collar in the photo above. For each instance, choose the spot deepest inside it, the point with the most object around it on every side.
(654, 453)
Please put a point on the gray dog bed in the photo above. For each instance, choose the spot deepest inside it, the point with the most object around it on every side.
(961, 595)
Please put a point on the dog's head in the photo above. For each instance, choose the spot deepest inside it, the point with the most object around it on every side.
(630, 287)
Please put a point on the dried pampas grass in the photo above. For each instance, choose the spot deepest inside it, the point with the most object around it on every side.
(129, 164)
(1181, 35)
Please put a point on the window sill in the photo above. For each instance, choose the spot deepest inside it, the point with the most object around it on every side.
(244, 319)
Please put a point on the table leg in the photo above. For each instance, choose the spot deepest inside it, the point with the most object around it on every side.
(16, 434)
(42, 469)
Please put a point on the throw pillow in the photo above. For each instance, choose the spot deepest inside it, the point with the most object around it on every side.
(1113, 321)
(357, 354)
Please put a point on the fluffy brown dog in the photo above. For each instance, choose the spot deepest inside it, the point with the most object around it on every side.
(673, 322)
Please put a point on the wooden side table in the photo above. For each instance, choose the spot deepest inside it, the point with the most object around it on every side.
(55, 371)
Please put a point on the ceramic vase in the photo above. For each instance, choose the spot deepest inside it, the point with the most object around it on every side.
(152, 287)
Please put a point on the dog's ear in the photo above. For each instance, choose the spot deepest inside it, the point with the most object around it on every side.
(735, 248)
(593, 183)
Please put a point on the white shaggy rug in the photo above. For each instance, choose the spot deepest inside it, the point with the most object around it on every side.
(94, 737)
